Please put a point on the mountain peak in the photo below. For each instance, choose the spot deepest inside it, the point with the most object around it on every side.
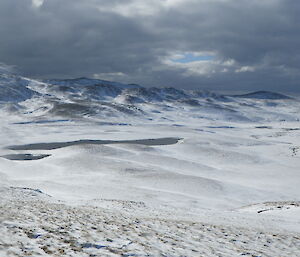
(264, 95)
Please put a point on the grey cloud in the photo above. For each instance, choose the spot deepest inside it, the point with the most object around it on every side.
(71, 38)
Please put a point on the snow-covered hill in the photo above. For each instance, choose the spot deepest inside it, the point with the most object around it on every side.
(97, 168)
(264, 95)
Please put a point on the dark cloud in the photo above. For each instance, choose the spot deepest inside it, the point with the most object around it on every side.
(254, 44)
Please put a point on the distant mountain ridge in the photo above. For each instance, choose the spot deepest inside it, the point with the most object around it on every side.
(16, 88)
(264, 95)
(93, 98)
(83, 81)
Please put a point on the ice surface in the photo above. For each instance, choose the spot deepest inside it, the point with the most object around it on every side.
(57, 145)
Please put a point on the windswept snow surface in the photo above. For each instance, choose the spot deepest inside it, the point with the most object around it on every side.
(220, 176)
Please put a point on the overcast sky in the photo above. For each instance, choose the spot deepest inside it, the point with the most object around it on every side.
(206, 44)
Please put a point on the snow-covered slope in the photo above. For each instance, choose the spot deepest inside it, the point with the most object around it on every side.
(91, 167)
(14, 89)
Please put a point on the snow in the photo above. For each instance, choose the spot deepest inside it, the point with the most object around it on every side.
(168, 173)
